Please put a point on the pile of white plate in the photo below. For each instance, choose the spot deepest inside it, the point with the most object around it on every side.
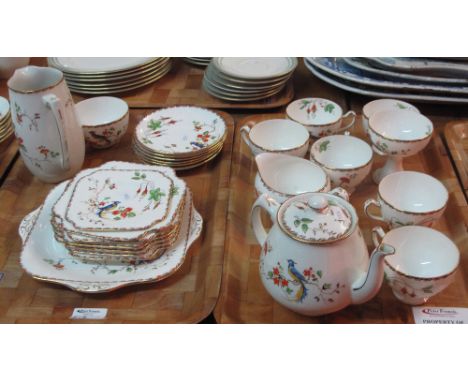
(243, 79)
(120, 213)
(6, 126)
(199, 61)
(181, 137)
(109, 75)
(115, 238)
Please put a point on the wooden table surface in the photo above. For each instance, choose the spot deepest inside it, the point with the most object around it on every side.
(305, 85)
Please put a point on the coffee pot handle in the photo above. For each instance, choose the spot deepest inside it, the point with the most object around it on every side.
(54, 104)
(271, 206)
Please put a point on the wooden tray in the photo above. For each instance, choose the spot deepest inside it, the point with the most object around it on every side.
(188, 296)
(456, 136)
(183, 86)
(243, 297)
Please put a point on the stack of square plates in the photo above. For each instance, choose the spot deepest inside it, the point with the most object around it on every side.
(120, 213)
(109, 75)
(180, 137)
(245, 79)
(6, 126)
(199, 61)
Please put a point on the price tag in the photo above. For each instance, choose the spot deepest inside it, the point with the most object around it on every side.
(437, 315)
(1, 276)
(89, 314)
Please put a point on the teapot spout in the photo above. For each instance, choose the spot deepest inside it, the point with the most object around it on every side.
(369, 284)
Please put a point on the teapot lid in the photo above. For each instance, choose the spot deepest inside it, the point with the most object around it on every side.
(315, 218)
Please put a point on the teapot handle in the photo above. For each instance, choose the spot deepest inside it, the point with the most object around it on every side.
(53, 103)
(268, 204)
(341, 193)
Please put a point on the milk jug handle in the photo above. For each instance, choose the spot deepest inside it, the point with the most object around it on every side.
(54, 104)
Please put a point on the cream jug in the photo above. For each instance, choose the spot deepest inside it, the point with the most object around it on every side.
(314, 259)
(50, 138)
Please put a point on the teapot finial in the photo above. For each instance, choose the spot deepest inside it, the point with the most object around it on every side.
(318, 203)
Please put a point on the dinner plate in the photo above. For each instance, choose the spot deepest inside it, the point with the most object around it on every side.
(48, 260)
(339, 68)
(100, 65)
(361, 64)
(255, 67)
(228, 96)
(378, 93)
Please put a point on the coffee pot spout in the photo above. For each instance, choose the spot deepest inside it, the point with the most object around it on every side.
(367, 286)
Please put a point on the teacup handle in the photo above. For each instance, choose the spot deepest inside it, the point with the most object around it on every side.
(378, 234)
(245, 131)
(271, 206)
(350, 114)
(53, 103)
(372, 202)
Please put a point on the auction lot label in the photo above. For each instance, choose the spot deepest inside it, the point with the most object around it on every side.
(438, 315)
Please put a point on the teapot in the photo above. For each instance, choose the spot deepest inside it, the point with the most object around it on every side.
(314, 259)
(50, 139)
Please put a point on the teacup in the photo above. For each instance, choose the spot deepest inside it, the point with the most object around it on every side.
(347, 160)
(104, 120)
(377, 105)
(409, 198)
(276, 136)
(282, 176)
(423, 265)
(320, 116)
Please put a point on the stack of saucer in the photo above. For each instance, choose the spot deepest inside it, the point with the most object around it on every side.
(200, 61)
(120, 213)
(180, 137)
(108, 75)
(6, 126)
(247, 79)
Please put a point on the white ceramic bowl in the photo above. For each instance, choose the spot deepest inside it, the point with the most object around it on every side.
(282, 176)
(104, 120)
(399, 133)
(347, 160)
(377, 105)
(276, 136)
(423, 265)
(320, 116)
(409, 198)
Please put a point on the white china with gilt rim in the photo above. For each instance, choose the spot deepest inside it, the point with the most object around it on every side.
(127, 233)
(45, 259)
(104, 120)
(408, 198)
(181, 130)
(280, 136)
(282, 176)
(4, 108)
(382, 104)
(94, 65)
(346, 159)
(398, 134)
(320, 116)
(255, 67)
(424, 264)
(314, 259)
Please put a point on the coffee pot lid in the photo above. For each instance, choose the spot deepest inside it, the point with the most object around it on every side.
(315, 218)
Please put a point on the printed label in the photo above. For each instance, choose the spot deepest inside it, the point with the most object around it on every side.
(438, 315)
(89, 314)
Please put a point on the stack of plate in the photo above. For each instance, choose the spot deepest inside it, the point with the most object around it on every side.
(55, 260)
(180, 137)
(109, 75)
(6, 126)
(244, 79)
(120, 213)
(412, 79)
(199, 61)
